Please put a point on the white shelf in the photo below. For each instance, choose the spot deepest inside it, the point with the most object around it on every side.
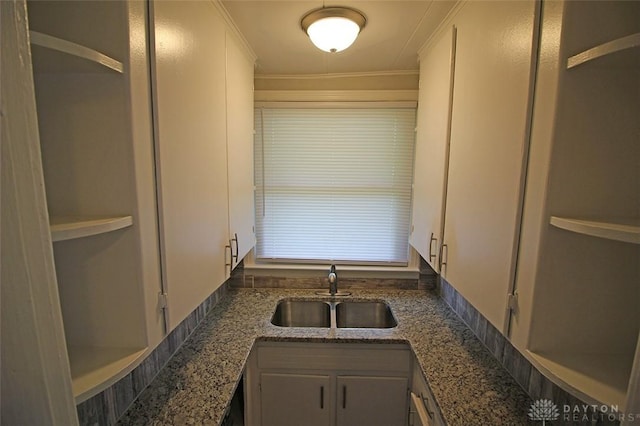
(594, 378)
(627, 231)
(77, 50)
(613, 46)
(69, 228)
(93, 369)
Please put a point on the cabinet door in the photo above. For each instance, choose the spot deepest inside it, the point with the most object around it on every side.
(491, 110)
(295, 399)
(423, 410)
(191, 149)
(371, 401)
(432, 147)
(240, 148)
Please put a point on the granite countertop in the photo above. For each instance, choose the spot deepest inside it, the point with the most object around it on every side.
(197, 384)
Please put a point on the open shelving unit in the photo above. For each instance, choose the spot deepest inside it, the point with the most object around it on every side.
(628, 42)
(595, 378)
(627, 231)
(74, 49)
(91, 365)
(585, 320)
(69, 228)
(82, 99)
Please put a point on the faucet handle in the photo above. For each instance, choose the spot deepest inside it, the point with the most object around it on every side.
(333, 276)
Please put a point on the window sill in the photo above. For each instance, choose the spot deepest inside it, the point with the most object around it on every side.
(411, 271)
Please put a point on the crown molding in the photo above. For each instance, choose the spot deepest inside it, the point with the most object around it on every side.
(444, 25)
(336, 75)
(233, 28)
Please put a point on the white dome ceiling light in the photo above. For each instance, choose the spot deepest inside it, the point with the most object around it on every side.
(333, 29)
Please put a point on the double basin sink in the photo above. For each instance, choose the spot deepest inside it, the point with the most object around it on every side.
(342, 314)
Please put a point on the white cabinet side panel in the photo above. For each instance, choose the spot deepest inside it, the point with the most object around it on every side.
(36, 380)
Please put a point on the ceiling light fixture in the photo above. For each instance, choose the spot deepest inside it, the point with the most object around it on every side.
(333, 29)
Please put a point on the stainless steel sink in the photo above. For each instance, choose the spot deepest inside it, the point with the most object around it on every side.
(302, 313)
(327, 314)
(364, 315)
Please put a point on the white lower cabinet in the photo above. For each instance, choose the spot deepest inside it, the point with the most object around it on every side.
(423, 409)
(369, 400)
(295, 399)
(328, 384)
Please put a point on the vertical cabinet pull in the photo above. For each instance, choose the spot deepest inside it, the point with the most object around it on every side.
(234, 257)
(344, 397)
(228, 247)
(425, 402)
(322, 397)
(431, 240)
(444, 251)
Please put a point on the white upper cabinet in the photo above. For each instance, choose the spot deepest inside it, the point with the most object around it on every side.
(203, 88)
(489, 140)
(191, 147)
(578, 276)
(239, 96)
(432, 146)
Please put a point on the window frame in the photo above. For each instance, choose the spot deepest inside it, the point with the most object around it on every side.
(355, 265)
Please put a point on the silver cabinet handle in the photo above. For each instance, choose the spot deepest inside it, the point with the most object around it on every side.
(443, 261)
(425, 402)
(230, 256)
(431, 240)
(234, 257)
(344, 397)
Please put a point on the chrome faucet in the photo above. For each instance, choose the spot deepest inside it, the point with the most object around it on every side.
(333, 280)
(333, 284)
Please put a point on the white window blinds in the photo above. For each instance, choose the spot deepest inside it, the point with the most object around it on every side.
(334, 185)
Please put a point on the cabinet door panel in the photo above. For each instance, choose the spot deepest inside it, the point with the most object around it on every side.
(488, 141)
(371, 401)
(295, 399)
(240, 147)
(191, 149)
(432, 148)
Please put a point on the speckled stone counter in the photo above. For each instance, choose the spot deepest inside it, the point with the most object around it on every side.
(197, 385)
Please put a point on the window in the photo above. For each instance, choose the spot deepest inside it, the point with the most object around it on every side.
(334, 184)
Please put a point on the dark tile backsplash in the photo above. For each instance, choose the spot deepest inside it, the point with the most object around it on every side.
(427, 280)
(525, 374)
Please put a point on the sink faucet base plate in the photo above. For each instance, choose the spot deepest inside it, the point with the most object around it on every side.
(338, 293)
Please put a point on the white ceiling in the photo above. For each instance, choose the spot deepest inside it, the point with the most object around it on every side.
(395, 31)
